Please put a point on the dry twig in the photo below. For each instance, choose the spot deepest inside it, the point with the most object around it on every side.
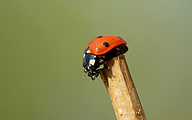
(121, 89)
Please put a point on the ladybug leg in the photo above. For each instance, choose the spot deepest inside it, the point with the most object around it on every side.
(108, 67)
(93, 78)
(97, 74)
(104, 64)
(101, 61)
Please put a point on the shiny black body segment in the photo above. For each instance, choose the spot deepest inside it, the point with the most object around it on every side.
(93, 70)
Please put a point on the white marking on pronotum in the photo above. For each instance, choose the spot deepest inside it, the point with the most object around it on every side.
(92, 61)
(83, 56)
(88, 51)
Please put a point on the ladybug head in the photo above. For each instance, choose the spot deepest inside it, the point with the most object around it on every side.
(91, 64)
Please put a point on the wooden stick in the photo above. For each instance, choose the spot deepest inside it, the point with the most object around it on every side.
(121, 89)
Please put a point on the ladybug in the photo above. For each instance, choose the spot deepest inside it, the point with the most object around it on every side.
(100, 50)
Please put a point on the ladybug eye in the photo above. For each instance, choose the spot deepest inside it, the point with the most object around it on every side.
(106, 44)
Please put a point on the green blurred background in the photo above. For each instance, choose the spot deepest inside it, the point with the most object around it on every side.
(41, 48)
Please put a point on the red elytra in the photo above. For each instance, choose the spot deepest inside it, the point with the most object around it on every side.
(104, 43)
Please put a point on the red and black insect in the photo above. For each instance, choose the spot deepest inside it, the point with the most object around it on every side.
(100, 50)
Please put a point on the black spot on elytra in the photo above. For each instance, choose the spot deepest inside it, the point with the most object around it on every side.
(119, 37)
(99, 36)
(106, 44)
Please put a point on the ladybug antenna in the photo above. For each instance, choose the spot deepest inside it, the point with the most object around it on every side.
(83, 77)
